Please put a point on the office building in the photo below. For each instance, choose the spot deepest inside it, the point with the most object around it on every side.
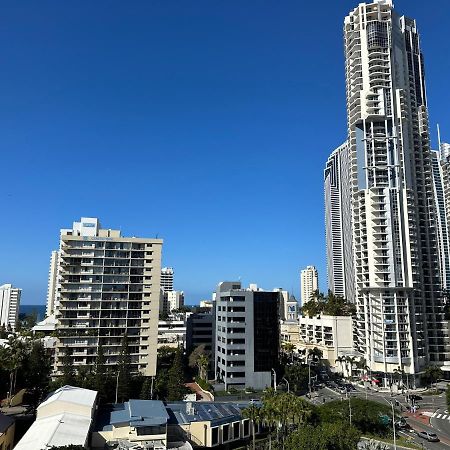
(247, 335)
(108, 287)
(167, 278)
(9, 306)
(309, 283)
(52, 288)
(399, 320)
(171, 301)
(338, 223)
(200, 331)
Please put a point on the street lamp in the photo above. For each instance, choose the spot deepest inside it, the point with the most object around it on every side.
(287, 383)
(393, 420)
(274, 380)
(117, 384)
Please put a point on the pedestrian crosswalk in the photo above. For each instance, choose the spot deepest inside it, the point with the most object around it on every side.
(441, 416)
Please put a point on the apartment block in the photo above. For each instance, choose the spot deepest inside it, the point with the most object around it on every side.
(52, 289)
(200, 331)
(309, 282)
(9, 306)
(167, 278)
(398, 292)
(108, 287)
(247, 335)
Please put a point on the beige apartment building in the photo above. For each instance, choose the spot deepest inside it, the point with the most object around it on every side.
(107, 286)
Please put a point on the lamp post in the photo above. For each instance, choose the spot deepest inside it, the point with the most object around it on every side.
(117, 385)
(287, 383)
(309, 375)
(274, 380)
(393, 421)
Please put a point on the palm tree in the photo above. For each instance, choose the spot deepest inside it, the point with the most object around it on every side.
(341, 361)
(289, 348)
(315, 354)
(202, 364)
(253, 413)
(351, 360)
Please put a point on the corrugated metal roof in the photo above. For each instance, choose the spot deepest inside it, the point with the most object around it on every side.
(71, 394)
(58, 430)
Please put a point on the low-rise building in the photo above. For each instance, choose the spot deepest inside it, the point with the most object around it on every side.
(208, 424)
(136, 422)
(290, 333)
(7, 428)
(331, 334)
(64, 418)
(172, 333)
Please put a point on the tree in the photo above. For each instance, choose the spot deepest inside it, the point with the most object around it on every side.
(341, 361)
(100, 374)
(253, 413)
(432, 374)
(351, 361)
(124, 371)
(328, 436)
(68, 371)
(373, 445)
(289, 348)
(36, 370)
(176, 389)
(199, 358)
(298, 376)
(147, 389)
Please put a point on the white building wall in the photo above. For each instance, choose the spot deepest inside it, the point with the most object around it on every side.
(9, 305)
(52, 283)
(309, 282)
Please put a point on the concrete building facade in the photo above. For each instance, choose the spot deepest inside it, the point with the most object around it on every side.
(247, 335)
(399, 320)
(108, 287)
(52, 287)
(309, 282)
(338, 223)
(167, 278)
(9, 306)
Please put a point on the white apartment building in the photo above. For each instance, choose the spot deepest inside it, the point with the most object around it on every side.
(289, 308)
(167, 278)
(331, 334)
(338, 223)
(108, 286)
(309, 282)
(172, 333)
(52, 289)
(9, 306)
(399, 320)
(247, 335)
(442, 224)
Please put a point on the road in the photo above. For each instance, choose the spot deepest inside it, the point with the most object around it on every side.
(432, 415)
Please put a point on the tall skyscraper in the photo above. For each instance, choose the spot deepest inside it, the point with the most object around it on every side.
(108, 287)
(167, 278)
(399, 320)
(9, 306)
(442, 227)
(247, 335)
(52, 288)
(309, 282)
(338, 223)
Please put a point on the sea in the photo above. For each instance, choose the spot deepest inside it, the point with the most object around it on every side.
(29, 309)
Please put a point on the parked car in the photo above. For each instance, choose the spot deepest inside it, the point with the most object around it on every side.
(430, 437)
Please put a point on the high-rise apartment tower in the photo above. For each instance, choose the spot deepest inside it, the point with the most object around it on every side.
(108, 287)
(309, 282)
(399, 320)
(338, 223)
(9, 306)
(167, 278)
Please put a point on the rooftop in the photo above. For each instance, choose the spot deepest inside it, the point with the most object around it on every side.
(217, 413)
(71, 394)
(57, 430)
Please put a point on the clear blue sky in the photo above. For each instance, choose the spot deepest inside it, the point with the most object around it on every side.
(207, 123)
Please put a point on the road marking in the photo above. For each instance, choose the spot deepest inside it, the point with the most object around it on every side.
(438, 416)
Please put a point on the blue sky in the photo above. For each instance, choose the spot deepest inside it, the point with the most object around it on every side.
(205, 123)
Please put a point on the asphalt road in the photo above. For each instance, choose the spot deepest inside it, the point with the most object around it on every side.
(436, 405)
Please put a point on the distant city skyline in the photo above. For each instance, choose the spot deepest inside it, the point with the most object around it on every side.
(206, 125)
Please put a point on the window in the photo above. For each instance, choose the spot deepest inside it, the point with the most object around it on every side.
(214, 436)
(246, 428)
(236, 430)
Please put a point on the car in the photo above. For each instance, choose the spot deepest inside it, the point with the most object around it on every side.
(430, 437)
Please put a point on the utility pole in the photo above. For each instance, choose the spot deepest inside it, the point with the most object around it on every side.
(274, 380)
(393, 421)
(117, 385)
